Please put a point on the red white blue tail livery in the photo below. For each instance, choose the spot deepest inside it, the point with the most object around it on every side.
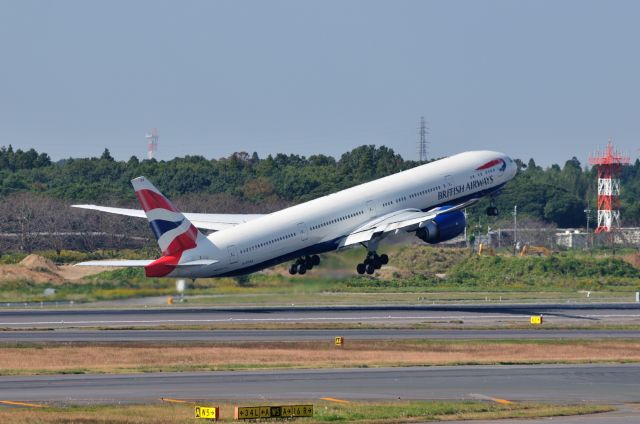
(174, 232)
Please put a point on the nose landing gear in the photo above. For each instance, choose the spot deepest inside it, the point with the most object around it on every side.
(371, 263)
(493, 210)
(302, 265)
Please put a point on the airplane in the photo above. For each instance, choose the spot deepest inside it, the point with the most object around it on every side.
(427, 200)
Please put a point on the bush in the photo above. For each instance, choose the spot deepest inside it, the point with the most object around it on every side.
(566, 271)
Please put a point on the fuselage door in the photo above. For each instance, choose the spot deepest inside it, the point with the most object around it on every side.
(448, 181)
(233, 255)
(302, 230)
(371, 207)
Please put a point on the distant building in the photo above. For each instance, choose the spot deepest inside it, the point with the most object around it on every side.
(571, 239)
(559, 238)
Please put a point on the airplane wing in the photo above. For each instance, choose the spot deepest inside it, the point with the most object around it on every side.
(207, 221)
(405, 219)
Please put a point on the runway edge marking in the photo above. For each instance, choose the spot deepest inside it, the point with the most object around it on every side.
(170, 400)
(330, 399)
(493, 399)
(32, 405)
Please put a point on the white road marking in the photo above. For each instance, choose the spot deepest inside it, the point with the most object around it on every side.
(301, 319)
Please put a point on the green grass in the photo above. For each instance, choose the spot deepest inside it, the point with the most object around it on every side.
(441, 411)
(87, 291)
(419, 274)
(565, 271)
(324, 412)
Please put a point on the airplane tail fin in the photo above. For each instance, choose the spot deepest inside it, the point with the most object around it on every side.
(174, 232)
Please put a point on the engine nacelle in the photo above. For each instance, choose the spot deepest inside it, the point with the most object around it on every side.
(442, 228)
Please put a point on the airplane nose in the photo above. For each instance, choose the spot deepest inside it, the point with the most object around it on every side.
(514, 167)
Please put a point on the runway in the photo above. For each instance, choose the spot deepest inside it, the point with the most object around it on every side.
(548, 383)
(210, 336)
(614, 313)
(568, 383)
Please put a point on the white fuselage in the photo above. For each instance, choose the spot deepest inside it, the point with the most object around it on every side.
(318, 225)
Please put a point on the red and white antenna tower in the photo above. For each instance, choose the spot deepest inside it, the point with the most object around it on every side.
(152, 143)
(608, 163)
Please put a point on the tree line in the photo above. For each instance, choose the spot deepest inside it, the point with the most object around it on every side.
(245, 183)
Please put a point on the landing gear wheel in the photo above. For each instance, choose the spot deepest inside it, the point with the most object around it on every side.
(377, 263)
(492, 211)
(372, 262)
(304, 264)
(308, 262)
(370, 268)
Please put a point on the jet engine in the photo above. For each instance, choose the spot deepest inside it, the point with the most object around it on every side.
(442, 228)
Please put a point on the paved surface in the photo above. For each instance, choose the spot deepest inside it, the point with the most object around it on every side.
(578, 383)
(150, 336)
(483, 314)
(626, 414)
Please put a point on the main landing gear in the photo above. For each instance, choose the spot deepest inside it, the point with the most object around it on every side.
(372, 262)
(493, 211)
(303, 264)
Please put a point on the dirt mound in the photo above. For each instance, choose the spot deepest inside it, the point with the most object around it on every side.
(37, 262)
(76, 273)
(20, 273)
(41, 270)
(633, 259)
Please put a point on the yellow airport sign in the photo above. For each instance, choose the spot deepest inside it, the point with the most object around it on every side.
(297, 411)
(207, 412)
(251, 412)
(284, 411)
(339, 341)
(536, 319)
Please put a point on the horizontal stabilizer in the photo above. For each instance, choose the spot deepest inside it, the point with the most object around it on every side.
(108, 262)
(143, 262)
(199, 262)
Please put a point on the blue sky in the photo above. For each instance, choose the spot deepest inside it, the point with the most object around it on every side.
(543, 79)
